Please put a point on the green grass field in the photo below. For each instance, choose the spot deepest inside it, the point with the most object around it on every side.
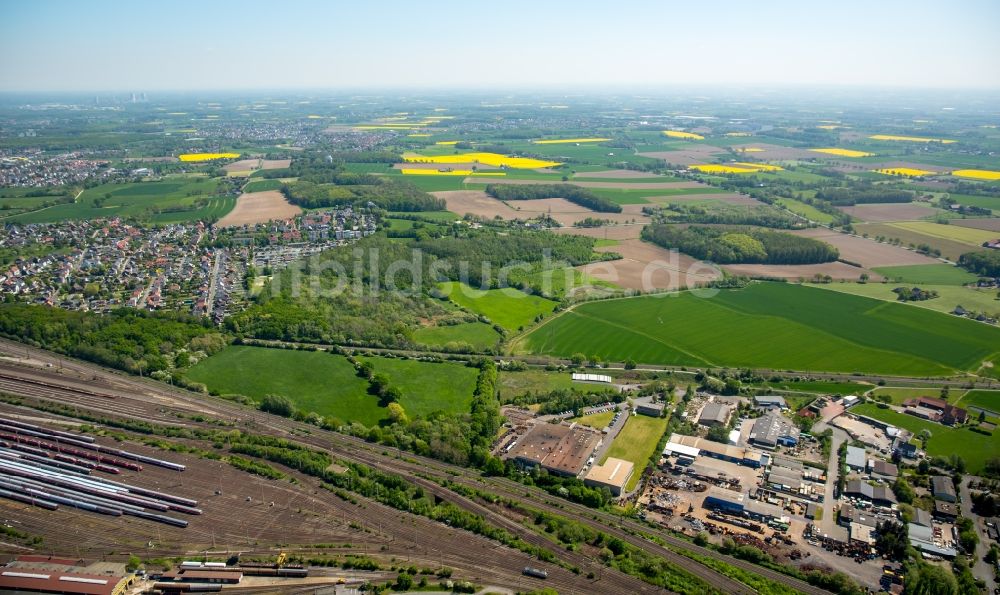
(509, 308)
(262, 185)
(595, 420)
(428, 387)
(973, 447)
(821, 387)
(769, 325)
(477, 334)
(636, 442)
(313, 380)
(175, 197)
(985, 399)
(806, 210)
(515, 384)
(328, 385)
(933, 274)
(949, 296)
(900, 394)
(984, 202)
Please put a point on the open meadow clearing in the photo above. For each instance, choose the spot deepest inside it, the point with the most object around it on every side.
(973, 447)
(479, 335)
(313, 380)
(611, 174)
(646, 266)
(510, 308)
(788, 327)
(863, 251)
(514, 384)
(805, 210)
(597, 421)
(259, 207)
(774, 152)
(637, 442)
(477, 202)
(428, 386)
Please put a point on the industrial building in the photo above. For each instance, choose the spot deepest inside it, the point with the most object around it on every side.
(943, 489)
(557, 448)
(857, 459)
(877, 495)
(693, 447)
(649, 408)
(771, 430)
(45, 574)
(715, 414)
(884, 470)
(769, 402)
(740, 504)
(613, 474)
(922, 538)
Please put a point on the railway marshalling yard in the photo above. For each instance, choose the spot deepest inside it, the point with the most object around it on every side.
(247, 514)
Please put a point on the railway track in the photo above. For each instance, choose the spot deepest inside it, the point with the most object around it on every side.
(142, 399)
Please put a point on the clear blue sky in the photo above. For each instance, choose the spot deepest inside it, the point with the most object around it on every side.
(249, 44)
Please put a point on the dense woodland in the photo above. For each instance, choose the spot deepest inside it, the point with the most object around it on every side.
(857, 195)
(985, 263)
(349, 189)
(740, 245)
(575, 194)
(132, 340)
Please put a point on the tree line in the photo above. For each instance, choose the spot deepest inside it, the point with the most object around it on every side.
(740, 245)
(575, 194)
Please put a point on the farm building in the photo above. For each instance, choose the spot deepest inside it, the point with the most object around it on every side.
(769, 402)
(943, 488)
(45, 574)
(613, 474)
(877, 495)
(714, 414)
(771, 430)
(686, 445)
(937, 410)
(857, 460)
(557, 448)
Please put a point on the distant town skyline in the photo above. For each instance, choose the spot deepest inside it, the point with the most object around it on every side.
(106, 45)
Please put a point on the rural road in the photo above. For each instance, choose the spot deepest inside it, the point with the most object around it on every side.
(980, 569)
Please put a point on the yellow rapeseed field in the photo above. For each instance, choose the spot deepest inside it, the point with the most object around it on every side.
(713, 168)
(450, 172)
(903, 171)
(912, 139)
(977, 174)
(559, 141)
(830, 126)
(687, 135)
(843, 152)
(751, 150)
(447, 143)
(207, 156)
(494, 159)
(760, 166)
